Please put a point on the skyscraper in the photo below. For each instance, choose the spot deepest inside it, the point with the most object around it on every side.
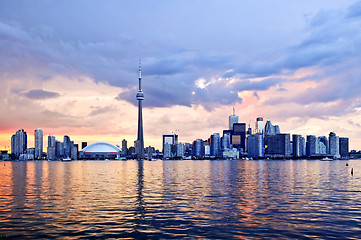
(343, 142)
(215, 144)
(255, 145)
(38, 143)
(269, 128)
(198, 148)
(124, 147)
(67, 147)
(140, 98)
(334, 145)
(238, 136)
(232, 120)
(20, 142)
(278, 145)
(297, 151)
(259, 124)
(312, 146)
(169, 140)
(51, 147)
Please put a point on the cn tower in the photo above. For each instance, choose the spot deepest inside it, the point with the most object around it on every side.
(140, 98)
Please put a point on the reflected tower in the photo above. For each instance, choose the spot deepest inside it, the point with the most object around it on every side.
(140, 98)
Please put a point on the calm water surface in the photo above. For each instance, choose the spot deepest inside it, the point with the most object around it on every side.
(300, 199)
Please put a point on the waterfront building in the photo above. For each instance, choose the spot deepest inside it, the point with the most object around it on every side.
(232, 120)
(344, 147)
(324, 141)
(312, 146)
(150, 151)
(19, 143)
(197, 148)
(278, 145)
(84, 145)
(334, 145)
(13, 144)
(140, 98)
(231, 153)
(255, 145)
(67, 147)
(169, 138)
(74, 151)
(51, 147)
(188, 149)
(206, 150)
(131, 151)
(303, 146)
(180, 150)
(99, 150)
(215, 145)
(296, 146)
(124, 147)
(238, 136)
(226, 141)
(259, 124)
(38, 135)
(322, 150)
(59, 149)
(167, 150)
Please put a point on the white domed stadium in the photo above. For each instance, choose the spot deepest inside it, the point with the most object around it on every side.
(100, 150)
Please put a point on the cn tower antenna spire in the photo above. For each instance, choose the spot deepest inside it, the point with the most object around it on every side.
(140, 98)
(234, 112)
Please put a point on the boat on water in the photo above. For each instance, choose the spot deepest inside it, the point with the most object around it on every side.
(326, 159)
(66, 159)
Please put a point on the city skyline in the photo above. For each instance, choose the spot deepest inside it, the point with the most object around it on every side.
(72, 70)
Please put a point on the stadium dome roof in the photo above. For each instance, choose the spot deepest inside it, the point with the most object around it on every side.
(101, 147)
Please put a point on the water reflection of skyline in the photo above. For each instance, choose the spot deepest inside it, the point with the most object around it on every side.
(177, 198)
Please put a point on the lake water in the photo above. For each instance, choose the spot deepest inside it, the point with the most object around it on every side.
(302, 199)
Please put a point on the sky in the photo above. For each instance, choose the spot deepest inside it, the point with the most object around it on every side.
(71, 67)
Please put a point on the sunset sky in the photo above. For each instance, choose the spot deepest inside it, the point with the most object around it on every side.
(71, 67)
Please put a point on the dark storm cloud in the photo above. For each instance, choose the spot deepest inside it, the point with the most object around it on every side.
(39, 94)
(99, 41)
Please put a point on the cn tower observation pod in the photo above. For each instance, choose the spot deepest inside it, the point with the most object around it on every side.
(100, 150)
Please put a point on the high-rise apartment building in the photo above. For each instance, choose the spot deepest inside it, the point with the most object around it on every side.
(215, 145)
(312, 146)
(226, 141)
(38, 143)
(51, 147)
(255, 145)
(124, 147)
(334, 145)
(67, 147)
(19, 143)
(343, 146)
(169, 140)
(197, 148)
(323, 141)
(297, 146)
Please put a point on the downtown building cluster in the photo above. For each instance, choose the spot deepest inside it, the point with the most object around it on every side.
(55, 150)
(265, 140)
